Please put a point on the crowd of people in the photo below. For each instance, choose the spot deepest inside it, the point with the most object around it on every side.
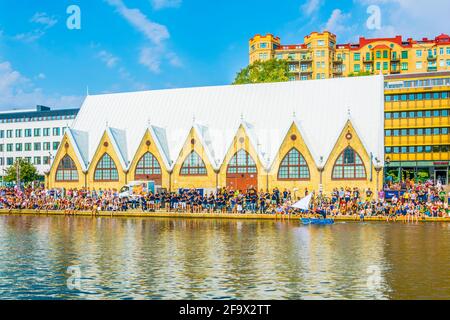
(411, 201)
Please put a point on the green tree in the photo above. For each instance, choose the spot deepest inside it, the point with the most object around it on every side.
(360, 74)
(273, 70)
(28, 172)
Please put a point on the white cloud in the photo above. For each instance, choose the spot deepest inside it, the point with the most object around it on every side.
(108, 58)
(151, 58)
(155, 32)
(410, 18)
(41, 76)
(16, 90)
(161, 4)
(338, 22)
(310, 7)
(44, 19)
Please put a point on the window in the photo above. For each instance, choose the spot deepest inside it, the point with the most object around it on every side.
(419, 149)
(2, 134)
(320, 43)
(67, 170)
(357, 57)
(27, 132)
(18, 133)
(263, 45)
(385, 54)
(55, 145)
(387, 133)
(419, 114)
(378, 66)
(9, 147)
(378, 54)
(1, 147)
(37, 160)
(385, 65)
(18, 147)
(148, 165)
(37, 146)
(404, 54)
(106, 169)
(46, 146)
(357, 68)
(420, 132)
(241, 162)
(419, 65)
(193, 165)
(9, 161)
(293, 166)
(46, 160)
(404, 66)
(349, 166)
(37, 132)
(46, 132)
(28, 146)
(418, 53)
(387, 115)
(9, 133)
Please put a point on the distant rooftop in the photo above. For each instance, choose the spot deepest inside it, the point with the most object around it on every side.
(39, 111)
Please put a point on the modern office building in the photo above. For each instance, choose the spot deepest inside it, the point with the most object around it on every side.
(320, 56)
(285, 135)
(33, 135)
(417, 122)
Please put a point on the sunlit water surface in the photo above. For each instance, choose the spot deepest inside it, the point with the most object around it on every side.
(138, 258)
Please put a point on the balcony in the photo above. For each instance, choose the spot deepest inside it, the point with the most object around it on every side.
(395, 58)
(337, 70)
(368, 60)
(432, 69)
(306, 71)
(395, 71)
(307, 58)
(338, 61)
(432, 57)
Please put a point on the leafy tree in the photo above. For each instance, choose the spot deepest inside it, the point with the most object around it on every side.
(360, 74)
(28, 172)
(273, 70)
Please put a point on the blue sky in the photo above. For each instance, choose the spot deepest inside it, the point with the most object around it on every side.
(127, 45)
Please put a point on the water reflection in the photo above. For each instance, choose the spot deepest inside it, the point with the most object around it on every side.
(127, 258)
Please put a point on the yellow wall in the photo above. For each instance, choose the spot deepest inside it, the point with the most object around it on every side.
(65, 148)
(309, 46)
(355, 142)
(247, 146)
(266, 180)
(143, 149)
(183, 181)
(286, 146)
(101, 150)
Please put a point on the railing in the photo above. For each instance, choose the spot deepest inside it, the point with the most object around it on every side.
(431, 57)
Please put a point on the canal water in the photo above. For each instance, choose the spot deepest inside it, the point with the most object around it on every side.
(138, 258)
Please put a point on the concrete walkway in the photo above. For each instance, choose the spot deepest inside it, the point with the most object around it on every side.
(161, 214)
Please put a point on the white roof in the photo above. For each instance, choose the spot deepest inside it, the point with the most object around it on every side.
(320, 108)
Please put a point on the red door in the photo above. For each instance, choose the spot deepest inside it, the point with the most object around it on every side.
(242, 181)
(242, 172)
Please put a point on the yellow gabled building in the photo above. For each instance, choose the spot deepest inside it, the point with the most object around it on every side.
(261, 136)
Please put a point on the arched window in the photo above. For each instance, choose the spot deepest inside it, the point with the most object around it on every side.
(148, 165)
(349, 166)
(293, 166)
(193, 165)
(242, 162)
(67, 170)
(106, 169)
